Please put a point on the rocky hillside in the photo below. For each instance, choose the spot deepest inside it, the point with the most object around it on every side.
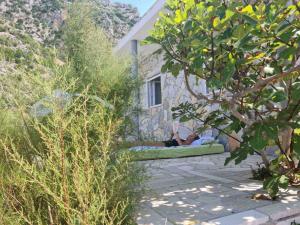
(27, 25)
(18, 50)
(42, 18)
(38, 18)
(116, 18)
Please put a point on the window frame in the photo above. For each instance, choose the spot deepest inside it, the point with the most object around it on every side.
(151, 93)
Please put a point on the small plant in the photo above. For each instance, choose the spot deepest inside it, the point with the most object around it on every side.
(260, 173)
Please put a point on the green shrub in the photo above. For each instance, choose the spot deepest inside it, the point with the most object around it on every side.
(91, 55)
(261, 172)
(65, 169)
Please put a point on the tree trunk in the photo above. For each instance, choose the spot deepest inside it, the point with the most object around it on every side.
(286, 139)
(265, 159)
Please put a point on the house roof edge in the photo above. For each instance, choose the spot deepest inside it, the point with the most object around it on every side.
(154, 9)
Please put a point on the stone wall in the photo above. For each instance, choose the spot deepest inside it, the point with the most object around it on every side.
(156, 122)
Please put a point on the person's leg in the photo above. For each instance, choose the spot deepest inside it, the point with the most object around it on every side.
(169, 143)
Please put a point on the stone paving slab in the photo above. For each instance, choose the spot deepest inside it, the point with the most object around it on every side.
(251, 217)
(281, 210)
(232, 204)
(148, 216)
(201, 190)
(290, 221)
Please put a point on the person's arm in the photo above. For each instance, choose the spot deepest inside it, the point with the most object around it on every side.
(188, 141)
(172, 135)
(177, 138)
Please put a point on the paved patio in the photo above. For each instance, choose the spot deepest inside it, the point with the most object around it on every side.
(200, 190)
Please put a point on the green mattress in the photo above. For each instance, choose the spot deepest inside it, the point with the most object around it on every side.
(177, 152)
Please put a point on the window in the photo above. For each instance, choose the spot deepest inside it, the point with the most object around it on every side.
(154, 91)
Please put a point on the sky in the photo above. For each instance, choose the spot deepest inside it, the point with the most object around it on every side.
(142, 5)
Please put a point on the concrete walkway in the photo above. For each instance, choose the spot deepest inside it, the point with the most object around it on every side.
(200, 190)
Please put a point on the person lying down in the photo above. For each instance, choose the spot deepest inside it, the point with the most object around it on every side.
(193, 139)
(175, 140)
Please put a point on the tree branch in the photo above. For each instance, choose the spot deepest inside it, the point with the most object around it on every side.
(173, 50)
(264, 82)
(239, 116)
(212, 54)
(170, 54)
(198, 96)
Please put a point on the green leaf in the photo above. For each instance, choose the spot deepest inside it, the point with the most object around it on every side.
(271, 129)
(180, 16)
(295, 93)
(279, 96)
(286, 36)
(216, 22)
(149, 40)
(229, 69)
(228, 15)
(296, 141)
(219, 23)
(184, 119)
(272, 185)
(198, 63)
(166, 67)
(195, 43)
(248, 10)
(241, 31)
(297, 131)
(257, 141)
(175, 69)
(210, 9)
(242, 42)
(189, 4)
(235, 126)
(283, 181)
(188, 26)
(288, 53)
(269, 183)
(241, 157)
(250, 20)
(227, 34)
(233, 156)
(256, 57)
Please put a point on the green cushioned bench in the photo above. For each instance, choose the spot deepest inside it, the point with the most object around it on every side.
(177, 152)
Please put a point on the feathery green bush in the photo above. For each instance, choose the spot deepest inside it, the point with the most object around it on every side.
(94, 64)
(60, 124)
(63, 168)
